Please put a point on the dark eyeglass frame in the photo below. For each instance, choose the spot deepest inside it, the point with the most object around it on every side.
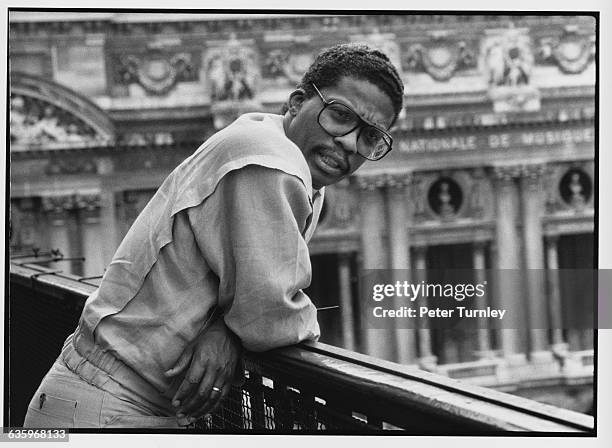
(360, 124)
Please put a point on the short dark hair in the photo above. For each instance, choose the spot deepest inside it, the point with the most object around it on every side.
(357, 61)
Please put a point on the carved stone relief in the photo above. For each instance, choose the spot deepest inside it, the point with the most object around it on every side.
(508, 59)
(507, 62)
(570, 187)
(156, 72)
(146, 138)
(232, 76)
(477, 196)
(288, 64)
(340, 207)
(419, 198)
(385, 42)
(572, 52)
(22, 224)
(71, 165)
(445, 198)
(441, 57)
(232, 71)
(60, 207)
(451, 195)
(37, 122)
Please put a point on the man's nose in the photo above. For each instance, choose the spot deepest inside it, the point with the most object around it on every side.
(348, 142)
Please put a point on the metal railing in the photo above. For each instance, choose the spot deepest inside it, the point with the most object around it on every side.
(311, 387)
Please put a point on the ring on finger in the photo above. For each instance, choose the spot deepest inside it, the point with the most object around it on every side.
(216, 389)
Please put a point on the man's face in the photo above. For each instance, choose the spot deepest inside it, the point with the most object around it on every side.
(329, 158)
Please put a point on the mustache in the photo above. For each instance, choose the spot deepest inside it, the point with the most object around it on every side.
(337, 156)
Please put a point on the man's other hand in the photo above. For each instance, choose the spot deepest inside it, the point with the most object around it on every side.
(212, 359)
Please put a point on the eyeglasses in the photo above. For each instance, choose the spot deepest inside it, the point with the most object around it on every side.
(338, 120)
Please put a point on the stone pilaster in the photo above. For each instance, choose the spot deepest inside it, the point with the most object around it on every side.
(62, 231)
(480, 274)
(427, 360)
(532, 204)
(397, 201)
(399, 247)
(346, 304)
(374, 254)
(507, 261)
(92, 236)
(109, 225)
(554, 294)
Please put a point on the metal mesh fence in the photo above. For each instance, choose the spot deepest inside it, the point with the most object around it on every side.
(265, 405)
(38, 326)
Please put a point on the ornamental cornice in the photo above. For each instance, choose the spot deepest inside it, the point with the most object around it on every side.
(57, 203)
(371, 182)
(87, 201)
(506, 173)
(438, 119)
(395, 180)
(530, 172)
(61, 203)
(398, 180)
(533, 171)
(433, 99)
(35, 23)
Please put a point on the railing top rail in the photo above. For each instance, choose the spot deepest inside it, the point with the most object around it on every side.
(333, 368)
(430, 390)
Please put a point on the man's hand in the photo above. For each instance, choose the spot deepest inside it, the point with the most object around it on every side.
(212, 360)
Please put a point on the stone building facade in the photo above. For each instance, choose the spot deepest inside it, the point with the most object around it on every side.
(493, 167)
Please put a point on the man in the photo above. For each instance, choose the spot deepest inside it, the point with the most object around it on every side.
(218, 258)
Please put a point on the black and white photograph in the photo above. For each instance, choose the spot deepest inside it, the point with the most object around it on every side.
(303, 223)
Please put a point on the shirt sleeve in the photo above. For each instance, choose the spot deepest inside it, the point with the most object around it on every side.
(250, 231)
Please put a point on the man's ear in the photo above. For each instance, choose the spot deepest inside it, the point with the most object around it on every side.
(296, 99)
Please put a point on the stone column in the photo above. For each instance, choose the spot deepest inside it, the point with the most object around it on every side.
(346, 304)
(399, 247)
(427, 360)
(93, 236)
(478, 263)
(507, 260)
(554, 299)
(109, 225)
(397, 201)
(61, 228)
(374, 255)
(532, 203)
(24, 225)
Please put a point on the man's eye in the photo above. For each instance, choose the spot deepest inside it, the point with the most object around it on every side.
(371, 135)
(341, 114)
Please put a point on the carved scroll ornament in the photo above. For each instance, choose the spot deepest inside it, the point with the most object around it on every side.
(440, 58)
(156, 73)
(572, 52)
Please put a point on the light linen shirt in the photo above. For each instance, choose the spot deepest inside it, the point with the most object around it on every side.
(227, 229)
